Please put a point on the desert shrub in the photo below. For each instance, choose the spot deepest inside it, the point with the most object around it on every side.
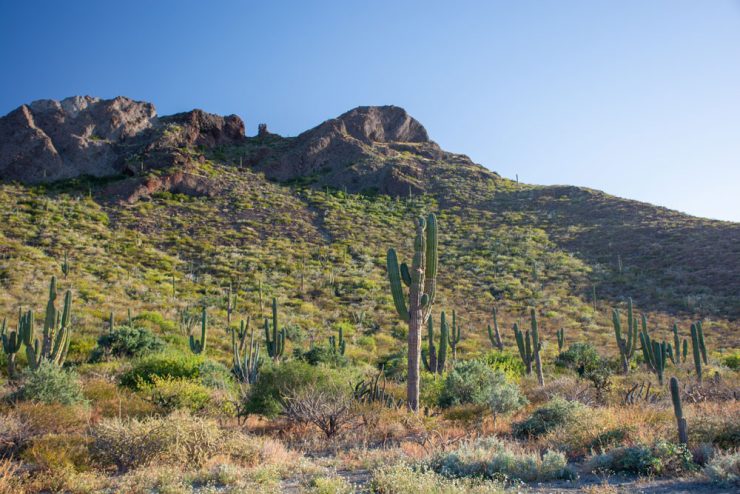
(274, 382)
(330, 485)
(505, 398)
(321, 355)
(508, 363)
(178, 439)
(174, 365)
(586, 361)
(565, 387)
(493, 459)
(125, 341)
(732, 361)
(662, 458)
(58, 451)
(470, 382)
(404, 479)
(724, 468)
(610, 438)
(50, 383)
(430, 389)
(169, 393)
(215, 375)
(555, 413)
(330, 408)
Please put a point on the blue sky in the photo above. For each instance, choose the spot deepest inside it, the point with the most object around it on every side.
(637, 98)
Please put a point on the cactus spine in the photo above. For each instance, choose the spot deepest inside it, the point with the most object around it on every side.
(561, 338)
(434, 359)
(454, 336)
(421, 280)
(12, 342)
(276, 345)
(338, 343)
(495, 335)
(536, 347)
(246, 367)
(683, 434)
(199, 346)
(626, 346)
(697, 352)
(54, 343)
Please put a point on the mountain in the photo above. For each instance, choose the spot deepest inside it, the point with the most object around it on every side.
(144, 204)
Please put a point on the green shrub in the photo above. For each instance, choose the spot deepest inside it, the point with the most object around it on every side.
(173, 365)
(493, 459)
(430, 389)
(724, 468)
(215, 375)
(170, 393)
(404, 479)
(508, 363)
(662, 458)
(505, 398)
(732, 361)
(50, 383)
(275, 382)
(330, 485)
(471, 382)
(586, 361)
(321, 355)
(126, 341)
(555, 413)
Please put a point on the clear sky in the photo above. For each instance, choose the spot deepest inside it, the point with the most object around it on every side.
(638, 98)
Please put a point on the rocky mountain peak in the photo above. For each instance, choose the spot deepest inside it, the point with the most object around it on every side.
(381, 124)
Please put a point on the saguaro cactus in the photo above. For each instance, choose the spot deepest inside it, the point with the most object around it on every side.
(434, 359)
(659, 356)
(536, 347)
(683, 433)
(54, 342)
(421, 280)
(199, 346)
(338, 343)
(561, 338)
(11, 344)
(525, 347)
(276, 345)
(626, 346)
(65, 265)
(695, 346)
(454, 336)
(702, 346)
(494, 335)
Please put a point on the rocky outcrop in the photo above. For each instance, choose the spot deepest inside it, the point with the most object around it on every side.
(51, 140)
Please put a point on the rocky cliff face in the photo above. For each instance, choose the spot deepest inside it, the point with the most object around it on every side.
(51, 140)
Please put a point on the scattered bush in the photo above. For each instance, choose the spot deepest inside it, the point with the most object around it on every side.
(173, 365)
(170, 394)
(215, 375)
(662, 458)
(321, 355)
(330, 485)
(724, 468)
(555, 413)
(328, 408)
(470, 382)
(586, 361)
(505, 398)
(125, 341)
(404, 479)
(732, 361)
(58, 451)
(508, 363)
(492, 459)
(50, 383)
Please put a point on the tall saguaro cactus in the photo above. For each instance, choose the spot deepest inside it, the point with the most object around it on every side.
(494, 335)
(454, 336)
(421, 280)
(11, 344)
(626, 346)
(434, 359)
(683, 433)
(276, 345)
(695, 346)
(536, 347)
(199, 346)
(524, 346)
(54, 343)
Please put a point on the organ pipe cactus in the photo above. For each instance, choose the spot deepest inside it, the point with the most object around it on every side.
(416, 307)
(676, 345)
(54, 342)
(338, 343)
(524, 346)
(695, 345)
(626, 346)
(276, 344)
(536, 347)
(659, 351)
(12, 342)
(434, 359)
(683, 434)
(245, 367)
(561, 338)
(702, 346)
(199, 346)
(494, 335)
(454, 336)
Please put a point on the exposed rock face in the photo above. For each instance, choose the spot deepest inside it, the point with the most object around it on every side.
(52, 140)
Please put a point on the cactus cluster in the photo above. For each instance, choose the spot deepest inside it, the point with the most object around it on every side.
(199, 346)
(678, 357)
(276, 344)
(626, 346)
(529, 346)
(434, 359)
(454, 335)
(337, 344)
(245, 366)
(654, 353)
(415, 309)
(493, 334)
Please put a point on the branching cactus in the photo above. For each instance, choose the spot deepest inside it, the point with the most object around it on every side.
(524, 346)
(561, 338)
(434, 359)
(415, 309)
(12, 342)
(626, 346)
(54, 343)
(245, 367)
(338, 344)
(660, 354)
(454, 336)
(494, 335)
(276, 344)
(695, 345)
(683, 433)
(199, 346)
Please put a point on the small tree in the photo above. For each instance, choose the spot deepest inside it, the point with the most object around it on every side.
(329, 409)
